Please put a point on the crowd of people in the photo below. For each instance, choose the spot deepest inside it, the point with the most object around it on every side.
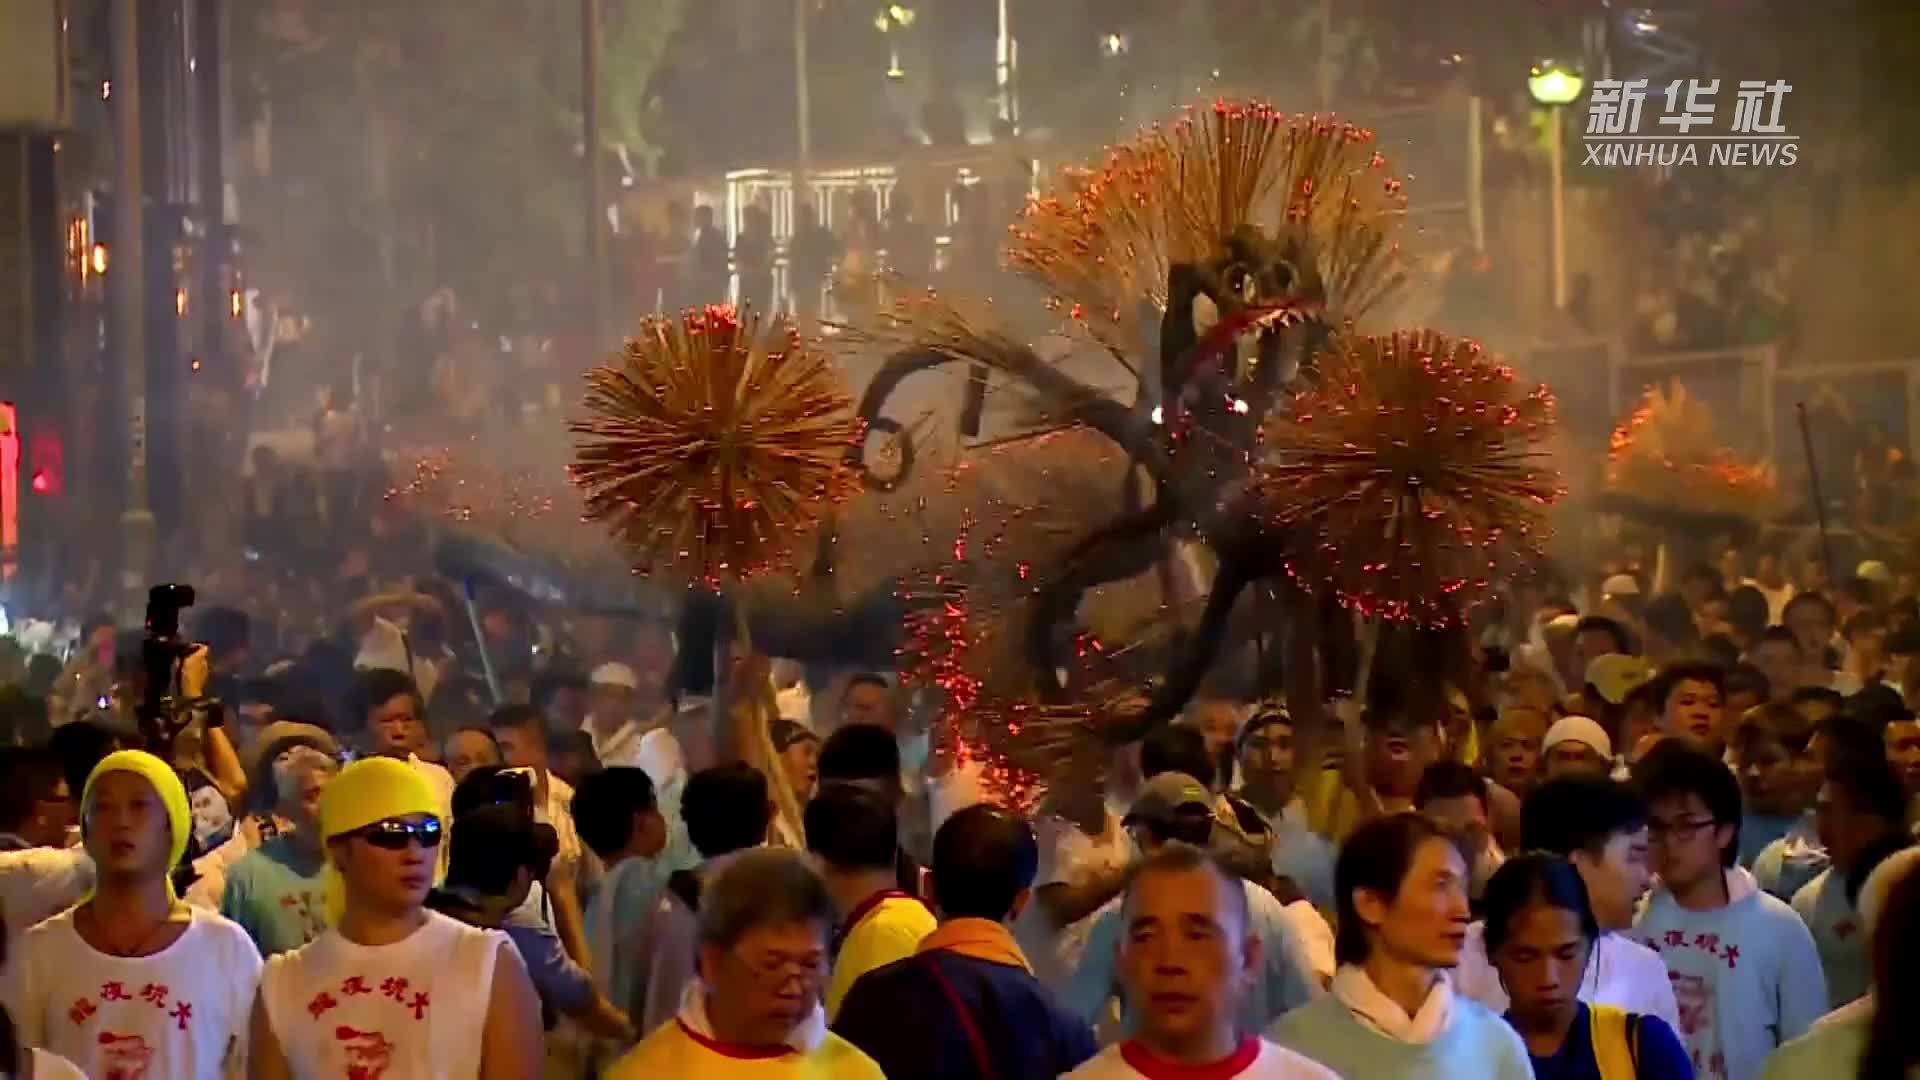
(1663, 829)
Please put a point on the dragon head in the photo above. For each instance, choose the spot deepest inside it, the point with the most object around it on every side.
(1241, 322)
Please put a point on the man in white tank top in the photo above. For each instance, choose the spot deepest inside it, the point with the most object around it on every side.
(392, 989)
(133, 981)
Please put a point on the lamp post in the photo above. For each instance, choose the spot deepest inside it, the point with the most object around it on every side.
(891, 18)
(1003, 66)
(1556, 86)
(128, 292)
(595, 194)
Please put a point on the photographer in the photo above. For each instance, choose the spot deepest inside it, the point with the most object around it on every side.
(499, 855)
(179, 720)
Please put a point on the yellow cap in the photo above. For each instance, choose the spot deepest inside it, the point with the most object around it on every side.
(166, 784)
(367, 791)
(1616, 675)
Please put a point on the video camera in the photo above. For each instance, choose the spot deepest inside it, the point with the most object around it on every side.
(162, 713)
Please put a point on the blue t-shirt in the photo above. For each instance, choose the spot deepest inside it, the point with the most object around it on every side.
(1658, 1053)
(1784, 866)
(274, 893)
(1759, 830)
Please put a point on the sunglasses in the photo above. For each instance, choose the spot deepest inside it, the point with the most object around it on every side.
(396, 835)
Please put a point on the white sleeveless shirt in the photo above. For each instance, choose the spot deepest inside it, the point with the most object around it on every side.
(412, 1010)
(178, 1013)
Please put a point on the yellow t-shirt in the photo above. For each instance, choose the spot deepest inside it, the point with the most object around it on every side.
(882, 930)
(674, 1051)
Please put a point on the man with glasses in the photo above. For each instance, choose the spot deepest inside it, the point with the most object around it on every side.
(755, 1008)
(391, 988)
(1745, 973)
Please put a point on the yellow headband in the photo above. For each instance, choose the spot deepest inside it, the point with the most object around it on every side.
(368, 791)
(166, 784)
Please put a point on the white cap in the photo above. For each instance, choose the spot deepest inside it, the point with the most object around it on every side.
(1620, 585)
(614, 674)
(1875, 571)
(1582, 730)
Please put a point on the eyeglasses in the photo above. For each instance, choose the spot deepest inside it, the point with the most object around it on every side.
(396, 835)
(776, 969)
(1680, 831)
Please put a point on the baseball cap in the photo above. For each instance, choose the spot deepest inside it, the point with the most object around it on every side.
(1169, 797)
(1616, 675)
(1620, 585)
(1875, 571)
(614, 674)
(1578, 729)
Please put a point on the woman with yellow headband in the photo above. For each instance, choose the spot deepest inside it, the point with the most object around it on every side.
(132, 981)
(392, 989)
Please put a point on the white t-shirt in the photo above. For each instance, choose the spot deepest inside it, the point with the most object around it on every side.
(558, 812)
(1067, 856)
(1256, 1059)
(1621, 972)
(39, 882)
(1315, 935)
(439, 779)
(1777, 599)
(411, 1010)
(54, 1067)
(656, 752)
(210, 870)
(178, 1013)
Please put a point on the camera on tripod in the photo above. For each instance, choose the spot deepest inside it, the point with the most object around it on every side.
(162, 711)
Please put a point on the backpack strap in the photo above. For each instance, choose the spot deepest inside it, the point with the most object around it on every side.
(975, 1040)
(1613, 1042)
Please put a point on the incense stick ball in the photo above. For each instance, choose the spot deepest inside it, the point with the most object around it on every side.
(711, 448)
(1417, 465)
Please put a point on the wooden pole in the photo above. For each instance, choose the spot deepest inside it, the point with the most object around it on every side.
(1813, 484)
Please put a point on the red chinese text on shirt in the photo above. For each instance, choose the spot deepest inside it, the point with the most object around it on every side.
(1706, 943)
(356, 986)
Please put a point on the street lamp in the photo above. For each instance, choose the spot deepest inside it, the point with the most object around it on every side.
(1556, 86)
(890, 18)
